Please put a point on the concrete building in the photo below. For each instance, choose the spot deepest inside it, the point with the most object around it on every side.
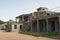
(24, 20)
(40, 21)
(15, 27)
(12, 26)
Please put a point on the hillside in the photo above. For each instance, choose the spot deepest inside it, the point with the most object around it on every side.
(1, 22)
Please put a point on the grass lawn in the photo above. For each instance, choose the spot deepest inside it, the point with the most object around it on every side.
(43, 34)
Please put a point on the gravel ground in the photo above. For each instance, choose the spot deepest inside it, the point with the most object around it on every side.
(16, 36)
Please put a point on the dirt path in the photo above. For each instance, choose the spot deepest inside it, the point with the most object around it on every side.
(16, 36)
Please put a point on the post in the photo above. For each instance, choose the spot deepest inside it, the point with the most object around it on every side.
(37, 25)
(47, 24)
(59, 24)
(31, 26)
(16, 20)
(22, 18)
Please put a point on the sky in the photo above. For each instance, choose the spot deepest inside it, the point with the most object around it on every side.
(10, 9)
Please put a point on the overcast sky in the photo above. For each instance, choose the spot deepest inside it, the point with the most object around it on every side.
(9, 9)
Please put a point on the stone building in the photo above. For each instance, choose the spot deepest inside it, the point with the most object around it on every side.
(40, 21)
(24, 20)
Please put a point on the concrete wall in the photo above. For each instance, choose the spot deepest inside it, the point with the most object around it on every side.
(18, 27)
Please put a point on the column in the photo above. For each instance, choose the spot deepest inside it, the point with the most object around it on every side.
(19, 20)
(31, 26)
(23, 18)
(16, 20)
(18, 27)
(37, 25)
(47, 24)
(59, 24)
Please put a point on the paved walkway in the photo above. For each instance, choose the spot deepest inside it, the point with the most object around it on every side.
(16, 36)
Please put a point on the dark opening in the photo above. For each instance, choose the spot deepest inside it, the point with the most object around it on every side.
(25, 18)
(48, 14)
(52, 26)
(41, 26)
(20, 26)
(15, 26)
(34, 26)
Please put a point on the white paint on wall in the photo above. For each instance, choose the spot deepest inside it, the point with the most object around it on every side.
(18, 27)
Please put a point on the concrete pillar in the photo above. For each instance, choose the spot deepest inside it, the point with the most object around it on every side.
(18, 27)
(22, 18)
(16, 20)
(19, 20)
(37, 25)
(47, 24)
(56, 26)
(59, 24)
(12, 27)
(31, 26)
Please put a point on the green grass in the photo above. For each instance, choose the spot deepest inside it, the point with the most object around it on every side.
(43, 34)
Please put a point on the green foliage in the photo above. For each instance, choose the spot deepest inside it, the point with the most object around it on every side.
(1, 22)
(43, 34)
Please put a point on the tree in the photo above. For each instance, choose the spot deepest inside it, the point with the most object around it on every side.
(1, 22)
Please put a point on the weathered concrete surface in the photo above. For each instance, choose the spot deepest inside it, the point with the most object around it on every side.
(16, 36)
